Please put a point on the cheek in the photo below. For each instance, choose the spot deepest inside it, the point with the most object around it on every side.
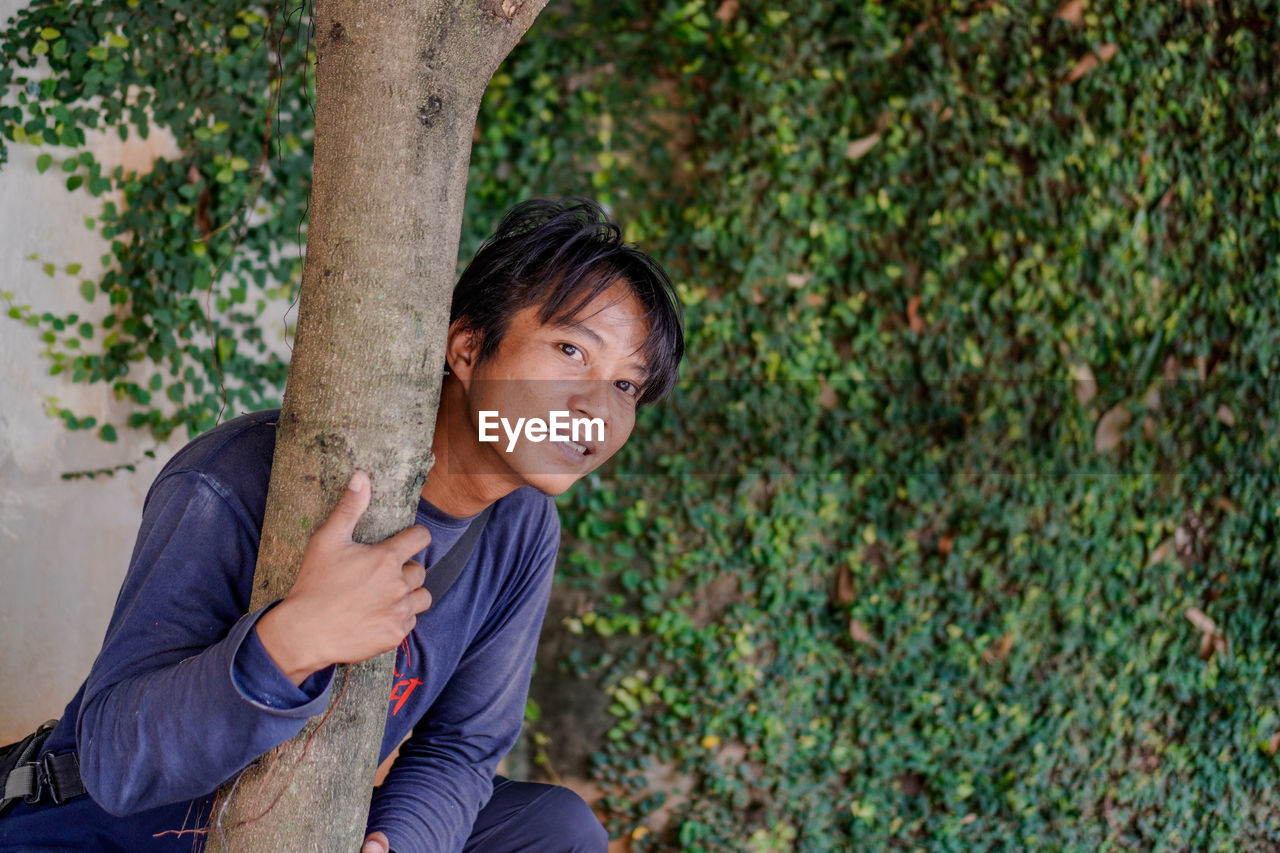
(623, 423)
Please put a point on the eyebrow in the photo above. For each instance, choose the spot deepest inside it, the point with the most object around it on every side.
(585, 330)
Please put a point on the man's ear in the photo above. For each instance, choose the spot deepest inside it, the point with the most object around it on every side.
(461, 350)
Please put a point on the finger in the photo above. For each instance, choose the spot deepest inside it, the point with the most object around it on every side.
(414, 574)
(351, 505)
(375, 843)
(408, 542)
(419, 599)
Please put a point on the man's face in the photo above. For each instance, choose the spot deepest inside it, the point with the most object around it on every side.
(590, 368)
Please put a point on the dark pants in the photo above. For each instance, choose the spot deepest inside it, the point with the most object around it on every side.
(521, 816)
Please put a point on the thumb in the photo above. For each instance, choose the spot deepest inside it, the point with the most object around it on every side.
(375, 843)
(352, 504)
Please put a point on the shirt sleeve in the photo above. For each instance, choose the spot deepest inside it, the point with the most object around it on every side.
(444, 773)
(183, 696)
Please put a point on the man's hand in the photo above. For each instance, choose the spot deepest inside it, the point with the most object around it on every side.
(350, 601)
(376, 842)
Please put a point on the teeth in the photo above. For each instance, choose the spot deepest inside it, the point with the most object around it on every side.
(578, 447)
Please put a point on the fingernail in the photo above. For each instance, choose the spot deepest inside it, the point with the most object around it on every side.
(355, 484)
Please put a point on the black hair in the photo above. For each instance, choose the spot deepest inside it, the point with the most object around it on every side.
(560, 254)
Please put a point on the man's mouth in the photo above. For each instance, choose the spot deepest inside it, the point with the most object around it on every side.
(580, 449)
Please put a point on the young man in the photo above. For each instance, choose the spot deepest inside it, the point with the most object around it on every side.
(555, 314)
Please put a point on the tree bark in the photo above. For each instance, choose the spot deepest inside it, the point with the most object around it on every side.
(398, 86)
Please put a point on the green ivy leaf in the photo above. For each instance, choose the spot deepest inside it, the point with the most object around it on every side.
(107, 432)
(117, 41)
(43, 162)
(88, 290)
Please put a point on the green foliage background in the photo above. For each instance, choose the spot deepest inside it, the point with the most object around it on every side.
(870, 580)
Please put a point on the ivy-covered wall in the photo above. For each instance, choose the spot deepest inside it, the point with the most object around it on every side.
(959, 532)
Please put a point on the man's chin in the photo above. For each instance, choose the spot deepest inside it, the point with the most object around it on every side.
(553, 485)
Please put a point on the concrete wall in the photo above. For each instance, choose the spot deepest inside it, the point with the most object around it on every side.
(64, 545)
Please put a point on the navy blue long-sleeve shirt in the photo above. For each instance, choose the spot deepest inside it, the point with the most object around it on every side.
(183, 695)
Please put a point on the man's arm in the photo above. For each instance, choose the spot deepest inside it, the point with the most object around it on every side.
(444, 773)
(184, 694)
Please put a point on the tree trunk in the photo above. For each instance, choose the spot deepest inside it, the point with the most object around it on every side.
(398, 86)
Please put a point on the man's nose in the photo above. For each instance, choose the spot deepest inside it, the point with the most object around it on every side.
(589, 399)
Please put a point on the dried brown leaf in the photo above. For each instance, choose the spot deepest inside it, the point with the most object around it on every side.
(1086, 385)
(1087, 63)
(1226, 416)
(1182, 540)
(1206, 646)
(945, 541)
(1162, 551)
(859, 147)
(999, 649)
(913, 315)
(859, 633)
(797, 280)
(1090, 61)
(1111, 427)
(1202, 621)
(1072, 12)
(727, 10)
(827, 398)
(844, 586)
(1274, 743)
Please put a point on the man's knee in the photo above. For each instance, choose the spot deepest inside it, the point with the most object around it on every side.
(578, 830)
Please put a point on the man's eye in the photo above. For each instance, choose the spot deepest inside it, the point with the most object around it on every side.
(628, 388)
(571, 351)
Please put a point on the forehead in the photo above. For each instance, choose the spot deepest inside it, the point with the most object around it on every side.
(614, 319)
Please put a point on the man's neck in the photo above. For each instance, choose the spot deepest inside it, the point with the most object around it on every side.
(462, 482)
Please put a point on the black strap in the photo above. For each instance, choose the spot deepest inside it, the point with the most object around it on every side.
(446, 570)
(35, 778)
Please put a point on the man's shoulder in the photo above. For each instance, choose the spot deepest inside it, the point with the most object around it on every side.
(527, 512)
(233, 458)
